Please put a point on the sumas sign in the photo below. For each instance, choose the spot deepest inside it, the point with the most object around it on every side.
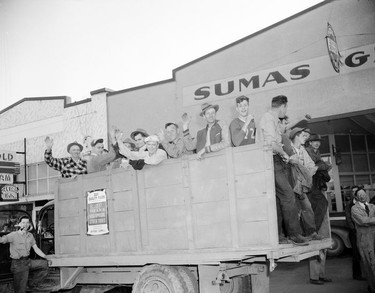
(356, 59)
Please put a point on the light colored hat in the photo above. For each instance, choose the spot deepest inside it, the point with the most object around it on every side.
(153, 137)
(294, 132)
(137, 131)
(207, 106)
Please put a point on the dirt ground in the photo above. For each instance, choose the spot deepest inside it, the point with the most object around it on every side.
(294, 278)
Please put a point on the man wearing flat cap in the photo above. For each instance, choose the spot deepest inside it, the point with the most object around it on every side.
(98, 159)
(68, 166)
(214, 137)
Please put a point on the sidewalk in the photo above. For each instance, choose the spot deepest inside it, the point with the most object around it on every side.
(294, 278)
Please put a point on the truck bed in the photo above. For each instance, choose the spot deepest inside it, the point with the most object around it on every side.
(183, 211)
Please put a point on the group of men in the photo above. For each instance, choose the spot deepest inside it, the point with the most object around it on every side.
(300, 173)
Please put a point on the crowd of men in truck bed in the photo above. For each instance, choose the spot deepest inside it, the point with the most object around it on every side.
(300, 173)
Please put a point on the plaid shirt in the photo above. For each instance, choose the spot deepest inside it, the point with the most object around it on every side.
(66, 166)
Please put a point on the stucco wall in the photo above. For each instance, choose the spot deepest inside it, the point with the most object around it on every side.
(34, 120)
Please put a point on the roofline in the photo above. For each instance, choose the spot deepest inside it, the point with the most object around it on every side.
(141, 87)
(65, 98)
(251, 36)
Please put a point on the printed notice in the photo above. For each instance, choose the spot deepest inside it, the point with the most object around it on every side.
(97, 212)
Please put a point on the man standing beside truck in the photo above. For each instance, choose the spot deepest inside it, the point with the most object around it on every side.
(270, 134)
(20, 243)
(363, 214)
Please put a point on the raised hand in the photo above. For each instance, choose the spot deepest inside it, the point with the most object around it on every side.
(186, 119)
(49, 142)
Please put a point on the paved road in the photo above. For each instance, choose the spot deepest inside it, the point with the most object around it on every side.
(294, 278)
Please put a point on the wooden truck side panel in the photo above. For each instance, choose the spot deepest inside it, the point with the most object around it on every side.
(223, 203)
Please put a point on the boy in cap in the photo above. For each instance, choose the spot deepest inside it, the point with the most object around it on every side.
(214, 137)
(98, 159)
(302, 170)
(242, 129)
(68, 166)
(363, 214)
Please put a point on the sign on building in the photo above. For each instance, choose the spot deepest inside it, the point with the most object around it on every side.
(7, 156)
(6, 178)
(8, 164)
(9, 192)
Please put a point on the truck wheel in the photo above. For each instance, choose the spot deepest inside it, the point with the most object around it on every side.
(189, 279)
(159, 279)
(237, 285)
(337, 245)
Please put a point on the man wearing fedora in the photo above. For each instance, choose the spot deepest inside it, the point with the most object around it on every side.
(270, 133)
(68, 166)
(319, 205)
(139, 136)
(214, 137)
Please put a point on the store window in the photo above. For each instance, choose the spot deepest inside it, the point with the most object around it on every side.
(41, 179)
(357, 166)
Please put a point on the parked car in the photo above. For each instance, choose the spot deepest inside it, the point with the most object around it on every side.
(339, 234)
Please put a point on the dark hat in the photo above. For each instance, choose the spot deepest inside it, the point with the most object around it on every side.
(315, 137)
(294, 132)
(137, 131)
(169, 124)
(207, 106)
(96, 141)
(72, 144)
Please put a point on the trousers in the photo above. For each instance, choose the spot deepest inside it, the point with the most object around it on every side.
(21, 268)
(287, 209)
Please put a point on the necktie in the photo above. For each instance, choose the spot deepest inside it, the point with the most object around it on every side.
(367, 210)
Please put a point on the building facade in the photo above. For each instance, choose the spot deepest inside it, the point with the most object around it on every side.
(322, 59)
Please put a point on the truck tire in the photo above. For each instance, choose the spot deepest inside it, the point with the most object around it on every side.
(158, 278)
(237, 285)
(337, 245)
(189, 279)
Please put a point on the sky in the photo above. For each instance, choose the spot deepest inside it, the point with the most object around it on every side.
(72, 47)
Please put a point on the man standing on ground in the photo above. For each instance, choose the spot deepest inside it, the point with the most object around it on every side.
(242, 129)
(363, 214)
(356, 258)
(20, 243)
(270, 134)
